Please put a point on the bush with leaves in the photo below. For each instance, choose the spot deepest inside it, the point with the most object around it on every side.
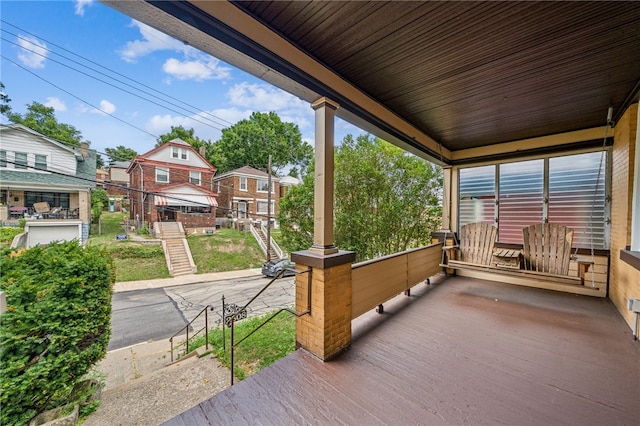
(99, 202)
(56, 326)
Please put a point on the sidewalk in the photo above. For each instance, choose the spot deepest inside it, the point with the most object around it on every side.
(141, 387)
(184, 279)
(141, 390)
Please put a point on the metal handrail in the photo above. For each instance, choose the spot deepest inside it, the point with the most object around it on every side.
(274, 245)
(261, 243)
(232, 318)
(205, 328)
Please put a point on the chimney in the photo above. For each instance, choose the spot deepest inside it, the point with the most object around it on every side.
(84, 149)
(203, 151)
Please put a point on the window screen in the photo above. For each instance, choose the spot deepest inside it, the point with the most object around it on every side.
(577, 196)
(477, 195)
(521, 198)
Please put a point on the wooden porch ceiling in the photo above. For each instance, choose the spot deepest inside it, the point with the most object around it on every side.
(463, 352)
(460, 74)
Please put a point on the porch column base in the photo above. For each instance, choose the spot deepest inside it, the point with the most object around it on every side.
(326, 331)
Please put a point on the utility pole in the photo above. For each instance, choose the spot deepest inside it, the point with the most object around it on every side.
(269, 210)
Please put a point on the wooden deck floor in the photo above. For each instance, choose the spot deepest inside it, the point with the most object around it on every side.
(461, 352)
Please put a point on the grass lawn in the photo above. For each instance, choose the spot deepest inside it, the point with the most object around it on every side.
(275, 340)
(133, 261)
(225, 250)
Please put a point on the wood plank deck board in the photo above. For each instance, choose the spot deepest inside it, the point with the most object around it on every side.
(460, 351)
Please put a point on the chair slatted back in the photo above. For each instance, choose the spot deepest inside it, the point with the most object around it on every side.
(547, 248)
(476, 242)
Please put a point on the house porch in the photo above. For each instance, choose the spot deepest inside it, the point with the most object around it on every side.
(461, 350)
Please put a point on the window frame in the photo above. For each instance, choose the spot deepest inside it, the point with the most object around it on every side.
(3, 158)
(266, 183)
(605, 177)
(20, 165)
(243, 184)
(37, 164)
(158, 169)
(193, 180)
(179, 153)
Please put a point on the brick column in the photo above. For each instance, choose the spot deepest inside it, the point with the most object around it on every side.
(327, 330)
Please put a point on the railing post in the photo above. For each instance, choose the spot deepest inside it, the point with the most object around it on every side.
(224, 336)
(232, 322)
(206, 328)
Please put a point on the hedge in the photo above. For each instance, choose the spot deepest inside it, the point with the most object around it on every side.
(56, 326)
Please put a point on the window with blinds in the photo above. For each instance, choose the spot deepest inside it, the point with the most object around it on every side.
(477, 195)
(521, 198)
(576, 192)
(577, 197)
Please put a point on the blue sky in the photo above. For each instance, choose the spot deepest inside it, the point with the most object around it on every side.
(92, 64)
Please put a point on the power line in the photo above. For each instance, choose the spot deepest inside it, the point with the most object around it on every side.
(112, 71)
(76, 97)
(107, 83)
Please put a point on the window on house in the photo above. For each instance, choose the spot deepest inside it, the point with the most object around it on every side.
(243, 183)
(477, 195)
(194, 178)
(577, 196)
(521, 198)
(162, 174)
(21, 160)
(218, 187)
(263, 185)
(55, 199)
(41, 162)
(180, 153)
(573, 186)
(262, 207)
(3, 158)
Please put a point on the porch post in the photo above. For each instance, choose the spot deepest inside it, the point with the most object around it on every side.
(326, 330)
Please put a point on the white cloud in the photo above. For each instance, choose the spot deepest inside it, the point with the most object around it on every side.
(198, 70)
(265, 98)
(152, 41)
(56, 104)
(81, 5)
(106, 107)
(33, 53)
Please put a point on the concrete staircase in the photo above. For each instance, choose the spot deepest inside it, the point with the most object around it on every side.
(176, 249)
(273, 254)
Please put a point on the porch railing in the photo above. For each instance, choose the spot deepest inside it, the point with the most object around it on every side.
(185, 343)
(378, 280)
(241, 313)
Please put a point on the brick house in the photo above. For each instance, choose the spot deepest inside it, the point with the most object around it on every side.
(243, 194)
(173, 182)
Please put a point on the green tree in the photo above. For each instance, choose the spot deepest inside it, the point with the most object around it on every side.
(386, 201)
(99, 201)
(5, 108)
(42, 119)
(120, 153)
(250, 142)
(179, 132)
(56, 326)
(296, 215)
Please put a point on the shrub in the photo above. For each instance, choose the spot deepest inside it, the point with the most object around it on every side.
(8, 232)
(56, 326)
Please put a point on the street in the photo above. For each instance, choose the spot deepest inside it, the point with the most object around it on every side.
(155, 314)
